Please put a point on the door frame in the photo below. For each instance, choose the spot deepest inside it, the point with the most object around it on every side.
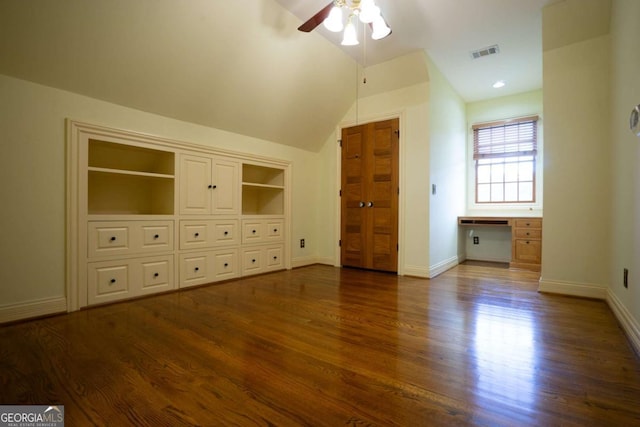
(400, 115)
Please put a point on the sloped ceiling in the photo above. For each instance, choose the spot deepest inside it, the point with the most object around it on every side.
(236, 65)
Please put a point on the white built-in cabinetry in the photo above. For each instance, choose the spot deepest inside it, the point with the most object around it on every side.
(148, 215)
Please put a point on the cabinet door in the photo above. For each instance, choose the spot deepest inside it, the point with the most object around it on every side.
(195, 185)
(226, 183)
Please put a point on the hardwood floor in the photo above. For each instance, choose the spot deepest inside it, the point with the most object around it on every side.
(325, 346)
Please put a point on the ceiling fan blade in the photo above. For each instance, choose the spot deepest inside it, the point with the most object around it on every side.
(316, 19)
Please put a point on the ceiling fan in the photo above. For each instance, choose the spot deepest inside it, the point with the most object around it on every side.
(363, 10)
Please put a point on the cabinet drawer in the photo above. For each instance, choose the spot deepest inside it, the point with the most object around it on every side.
(193, 269)
(274, 258)
(157, 237)
(193, 235)
(208, 233)
(157, 275)
(527, 233)
(528, 223)
(528, 251)
(108, 281)
(206, 267)
(107, 238)
(274, 230)
(225, 232)
(225, 264)
(120, 279)
(252, 231)
(252, 261)
(261, 259)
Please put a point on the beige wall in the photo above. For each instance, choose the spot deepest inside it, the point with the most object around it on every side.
(577, 168)
(432, 141)
(447, 171)
(625, 157)
(495, 242)
(32, 248)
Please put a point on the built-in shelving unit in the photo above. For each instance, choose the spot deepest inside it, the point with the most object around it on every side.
(147, 215)
(262, 190)
(129, 180)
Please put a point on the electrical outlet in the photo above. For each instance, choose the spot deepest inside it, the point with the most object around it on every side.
(302, 243)
(476, 240)
(625, 278)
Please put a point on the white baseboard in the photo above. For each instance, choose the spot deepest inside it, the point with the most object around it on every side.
(630, 325)
(443, 266)
(416, 270)
(303, 261)
(585, 290)
(10, 313)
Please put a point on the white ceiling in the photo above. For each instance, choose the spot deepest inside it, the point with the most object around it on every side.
(243, 67)
(448, 30)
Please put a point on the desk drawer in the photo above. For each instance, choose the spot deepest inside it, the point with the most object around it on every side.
(528, 233)
(528, 223)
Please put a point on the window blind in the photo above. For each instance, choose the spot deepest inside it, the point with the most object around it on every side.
(518, 137)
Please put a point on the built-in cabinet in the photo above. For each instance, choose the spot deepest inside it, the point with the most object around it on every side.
(526, 238)
(148, 215)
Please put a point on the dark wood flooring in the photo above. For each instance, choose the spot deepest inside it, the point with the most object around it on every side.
(322, 346)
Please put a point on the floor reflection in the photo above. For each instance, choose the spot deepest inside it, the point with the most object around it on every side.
(505, 355)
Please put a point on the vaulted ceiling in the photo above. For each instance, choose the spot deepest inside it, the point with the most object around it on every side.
(242, 66)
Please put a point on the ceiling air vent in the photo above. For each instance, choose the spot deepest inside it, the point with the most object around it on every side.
(485, 51)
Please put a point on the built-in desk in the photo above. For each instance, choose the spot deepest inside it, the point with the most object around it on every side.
(526, 237)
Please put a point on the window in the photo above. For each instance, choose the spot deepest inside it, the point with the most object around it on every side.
(505, 160)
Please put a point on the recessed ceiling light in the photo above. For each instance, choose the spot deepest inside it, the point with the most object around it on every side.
(499, 84)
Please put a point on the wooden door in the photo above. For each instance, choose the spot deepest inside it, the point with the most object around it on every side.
(369, 203)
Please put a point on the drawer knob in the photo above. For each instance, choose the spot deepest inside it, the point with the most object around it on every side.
(528, 234)
(156, 274)
(226, 264)
(113, 238)
(527, 242)
(253, 231)
(157, 236)
(226, 233)
(275, 257)
(197, 269)
(196, 234)
(112, 281)
(528, 224)
(253, 260)
(275, 230)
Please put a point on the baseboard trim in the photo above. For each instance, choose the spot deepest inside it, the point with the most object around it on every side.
(629, 325)
(28, 310)
(584, 290)
(416, 271)
(304, 261)
(441, 267)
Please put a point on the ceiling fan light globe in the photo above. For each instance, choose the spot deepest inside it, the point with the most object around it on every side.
(333, 22)
(368, 14)
(350, 37)
(380, 28)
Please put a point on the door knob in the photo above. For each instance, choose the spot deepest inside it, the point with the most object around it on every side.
(362, 204)
(370, 204)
